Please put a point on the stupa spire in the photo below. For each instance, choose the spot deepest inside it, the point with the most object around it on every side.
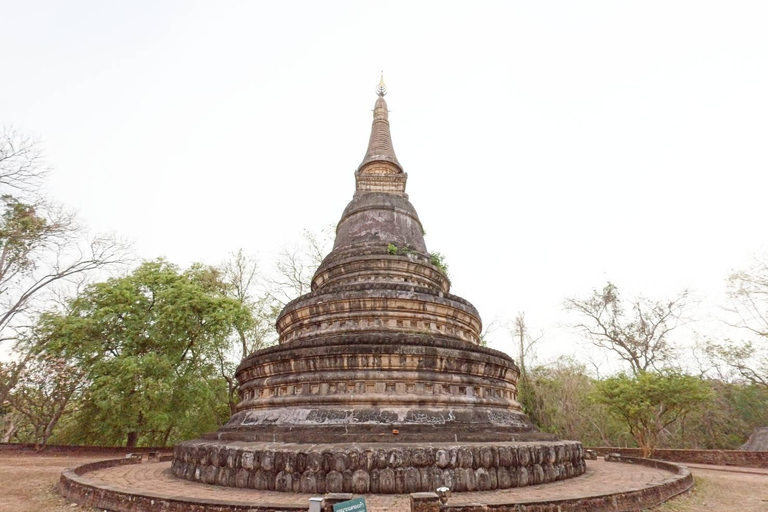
(380, 144)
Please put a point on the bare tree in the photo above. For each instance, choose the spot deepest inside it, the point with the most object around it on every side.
(41, 246)
(246, 284)
(525, 341)
(747, 310)
(265, 295)
(22, 168)
(748, 293)
(296, 264)
(636, 330)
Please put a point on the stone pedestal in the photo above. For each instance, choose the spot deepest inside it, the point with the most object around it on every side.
(425, 502)
(361, 468)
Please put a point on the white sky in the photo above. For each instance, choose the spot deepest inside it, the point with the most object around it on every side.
(550, 146)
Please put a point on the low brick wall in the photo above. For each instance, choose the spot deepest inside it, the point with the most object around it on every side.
(679, 482)
(717, 457)
(66, 449)
(78, 489)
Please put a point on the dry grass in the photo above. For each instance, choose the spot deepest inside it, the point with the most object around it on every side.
(722, 491)
(28, 482)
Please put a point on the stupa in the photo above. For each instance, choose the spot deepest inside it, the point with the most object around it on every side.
(379, 383)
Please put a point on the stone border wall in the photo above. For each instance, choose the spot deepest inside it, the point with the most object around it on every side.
(717, 457)
(79, 489)
(639, 499)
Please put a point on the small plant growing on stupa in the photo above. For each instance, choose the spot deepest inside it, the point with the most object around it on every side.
(392, 249)
(438, 260)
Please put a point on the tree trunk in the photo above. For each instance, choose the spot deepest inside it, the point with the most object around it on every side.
(133, 439)
(166, 435)
(11, 426)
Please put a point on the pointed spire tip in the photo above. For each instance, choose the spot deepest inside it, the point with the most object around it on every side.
(381, 89)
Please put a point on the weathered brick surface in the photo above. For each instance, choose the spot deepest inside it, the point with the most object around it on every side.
(378, 468)
(150, 487)
(716, 457)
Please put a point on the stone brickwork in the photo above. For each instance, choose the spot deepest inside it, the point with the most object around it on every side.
(378, 469)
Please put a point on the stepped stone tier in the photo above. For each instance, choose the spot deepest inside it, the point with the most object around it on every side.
(379, 382)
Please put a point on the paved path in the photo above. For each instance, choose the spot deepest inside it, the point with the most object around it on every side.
(601, 478)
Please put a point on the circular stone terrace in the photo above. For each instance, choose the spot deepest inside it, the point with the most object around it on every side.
(123, 485)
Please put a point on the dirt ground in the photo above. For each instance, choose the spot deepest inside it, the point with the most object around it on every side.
(722, 491)
(28, 484)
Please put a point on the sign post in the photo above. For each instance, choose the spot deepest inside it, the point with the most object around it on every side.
(355, 505)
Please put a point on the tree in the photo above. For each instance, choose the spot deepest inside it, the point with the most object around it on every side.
(560, 403)
(638, 333)
(295, 265)
(147, 344)
(41, 246)
(525, 343)
(649, 402)
(46, 388)
(265, 295)
(748, 309)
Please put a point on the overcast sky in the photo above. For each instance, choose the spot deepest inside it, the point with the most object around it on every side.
(550, 146)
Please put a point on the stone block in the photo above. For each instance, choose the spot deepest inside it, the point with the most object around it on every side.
(308, 483)
(284, 482)
(332, 498)
(361, 482)
(334, 482)
(425, 502)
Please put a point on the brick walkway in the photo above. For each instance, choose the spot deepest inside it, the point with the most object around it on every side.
(601, 478)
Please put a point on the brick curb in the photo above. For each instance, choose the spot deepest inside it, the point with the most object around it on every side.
(77, 487)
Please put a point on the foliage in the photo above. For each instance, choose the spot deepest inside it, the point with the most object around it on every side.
(438, 260)
(650, 401)
(392, 249)
(148, 344)
(48, 386)
(557, 398)
(637, 334)
(727, 420)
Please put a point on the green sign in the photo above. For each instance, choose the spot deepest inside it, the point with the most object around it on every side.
(355, 505)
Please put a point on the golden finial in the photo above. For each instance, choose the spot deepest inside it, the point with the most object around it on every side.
(381, 89)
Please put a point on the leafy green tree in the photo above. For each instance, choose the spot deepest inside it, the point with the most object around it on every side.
(647, 403)
(47, 389)
(725, 423)
(558, 399)
(148, 345)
